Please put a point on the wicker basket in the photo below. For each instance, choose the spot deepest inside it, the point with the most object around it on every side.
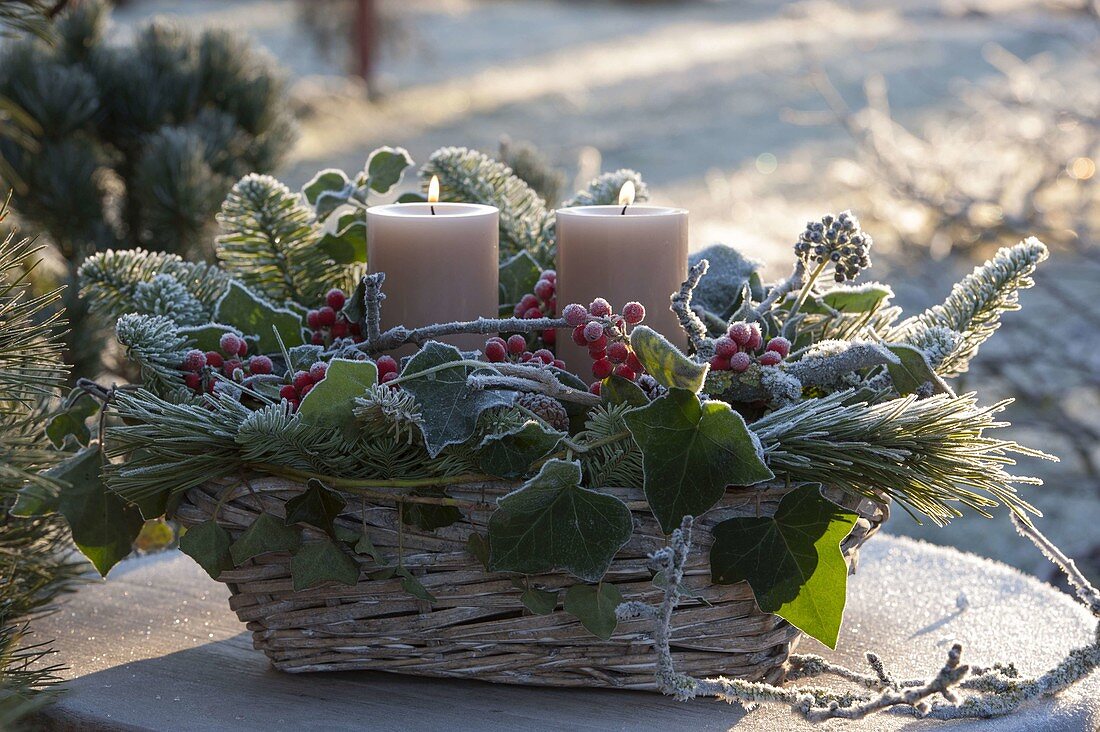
(478, 628)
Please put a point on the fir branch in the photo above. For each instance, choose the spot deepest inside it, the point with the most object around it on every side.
(156, 345)
(611, 457)
(603, 190)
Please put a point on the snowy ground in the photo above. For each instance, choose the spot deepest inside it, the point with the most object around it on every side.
(697, 96)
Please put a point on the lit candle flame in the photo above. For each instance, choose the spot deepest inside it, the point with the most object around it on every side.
(433, 190)
(626, 193)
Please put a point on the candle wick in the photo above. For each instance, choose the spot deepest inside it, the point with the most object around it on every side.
(433, 210)
(624, 210)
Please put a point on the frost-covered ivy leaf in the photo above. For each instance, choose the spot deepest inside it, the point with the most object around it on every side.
(553, 523)
(71, 419)
(792, 561)
(329, 180)
(851, 298)
(207, 337)
(721, 288)
(302, 357)
(665, 362)
(518, 275)
(252, 315)
(344, 235)
(427, 516)
(266, 534)
(912, 371)
(385, 167)
(413, 586)
(317, 507)
(511, 454)
(617, 390)
(451, 407)
(331, 399)
(594, 606)
(540, 602)
(692, 450)
(322, 561)
(208, 544)
(103, 525)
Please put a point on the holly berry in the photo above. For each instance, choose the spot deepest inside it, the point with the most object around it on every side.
(301, 380)
(558, 363)
(602, 368)
(595, 388)
(339, 329)
(755, 338)
(549, 336)
(725, 347)
(634, 364)
(495, 350)
(318, 338)
(575, 315)
(593, 331)
(550, 274)
(634, 312)
(626, 372)
(769, 358)
(260, 365)
(335, 298)
(386, 365)
(326, 316)
(545, 356)
(193, 381)
(230, 344)
(532, 313)
(599, 344)
(544, 289)
(516, 344)
(578, 336)
(739, 333)
(214, 359)
(600, 308)
(389, 376)
(317, 371)
(231, 366)
(288, 392)
(720, 363)
(305, 390)
(779, 345)
(617, 352)
(313, 319)
(740, 362)
(527, 302)
(194, 360)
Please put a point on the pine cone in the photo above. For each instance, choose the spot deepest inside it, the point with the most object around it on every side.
(650, 386)
(546, 407)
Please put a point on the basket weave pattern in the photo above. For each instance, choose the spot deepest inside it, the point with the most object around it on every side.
(478, 628)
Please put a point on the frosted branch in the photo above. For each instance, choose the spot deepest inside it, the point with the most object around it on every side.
(781, 289)
(681, 305)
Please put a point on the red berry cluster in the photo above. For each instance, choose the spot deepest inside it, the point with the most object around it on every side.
(302, 383)
(603, 333)
(541, 302)
(230, 363)
(387, 370)
(498, 350)
(329, 323)
(743, 345)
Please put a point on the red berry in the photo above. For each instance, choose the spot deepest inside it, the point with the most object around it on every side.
(779, 345)
(313, 319)
(626, 372)
(599, 344)
(516, 344)
(260, 365)
(386, 365)
(600, 308)
(602, 368)
(305, 390)
(335, 298)
(740, 361)
(769, 358)
(339, 329)
(558, 363)
(317, 371)
(532, 313)
(495, 351)
(549, 336)
(193, 381)
(526, 356)
(725, 347)
(595, 388)
(326, 316)
(545, 356)
(214, 359)
(194, 360)
(575, 314)
(496, 339)
(593, 331)
(288, 392)
(527, 302)
(549, 274)
(544, 289)
(597, 353)
(552, 304)
(301, 380)
(720, 363)
(634, 364)
(739, 333)
(231, 365)
(243, 350)
(389, 376)
(755, 339)
(578, 336)
(617, 352)
(318, 338)
(633, 312)
(230, 344)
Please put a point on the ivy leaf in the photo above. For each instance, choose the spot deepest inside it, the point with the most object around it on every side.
(617, 390)
(692, 450)
(478, 548)
(71, 419)
(330, 181)
(266, 534)
(208, 544)
(429, 517)
(518, 275)
(721, 288)
(385, 167)
(242, 309)
(594, 606)
(554, 523)
(353, 308)
(103, 525)
(792, 561)
(317, 507)
(451, 407)
(511, 454)
(322, 561)
(413, 586)
(207, 337)
(913, 371)
(302, 357)
(331, 399)
(344, 235)
(851, 299)
(540, 602)
(35, 499)
(366, 547)
(665, 362)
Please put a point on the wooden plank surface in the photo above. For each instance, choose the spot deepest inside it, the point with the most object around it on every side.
(156, 648)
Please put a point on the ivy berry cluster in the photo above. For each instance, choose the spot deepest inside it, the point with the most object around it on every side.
(329, 323)
(837, 239)
(604, 333)
(498, 350)
(541, 302)
(743, 345)
(231, 363)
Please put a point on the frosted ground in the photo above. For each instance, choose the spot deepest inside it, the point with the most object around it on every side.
(697, 96)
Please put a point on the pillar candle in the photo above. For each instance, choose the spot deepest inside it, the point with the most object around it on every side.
(441, 262)
(621, 253)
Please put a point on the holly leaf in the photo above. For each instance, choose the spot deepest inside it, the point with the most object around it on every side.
(103, 525)
(912, 371)
(331, 399)
(322, 561)
(385, 167)
(451, 407)
(207, 337)
(251, 314)
(594, 606)
(518, 275)
(413, 586)
(665, 362)
(208, 544)
(540, 602)
(71, 419)
(317, 507)
(553, 523)
(266, 534)
(429, 517)
(617, 390)
(692, 450)
(344, 235)
(850, 299)
(511, 454)
(792, 561)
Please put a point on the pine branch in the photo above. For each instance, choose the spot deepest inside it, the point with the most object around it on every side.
(156, 345)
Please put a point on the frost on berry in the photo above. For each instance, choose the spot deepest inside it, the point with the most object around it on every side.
(575, 314)
(755, 338)
(193, 381)
(578, 336)
(317, 371)
(335, 298)
(194, 360)
(593, 331)
(617, 352)
(769, 358)
(544, 289)
(740, 362)
(287, 391)
(739, 333)
(260, 365)
(386, 365)
(779, 345)
(602, 368)
(625, 372)
(600, 308)
(633, 313)
(516, 344)
(230, 344)
(720, 363)
(725, 347)
(302, 380)
(495, 350)
(214, 359)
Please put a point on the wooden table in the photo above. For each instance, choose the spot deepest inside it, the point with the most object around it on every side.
(156, 648)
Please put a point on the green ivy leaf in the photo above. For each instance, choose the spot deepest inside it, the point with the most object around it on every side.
(344, 236)
(329, 180)
(385, 167)
(792, 561)
(317, 507)
(103, 525)
(617, 390)
(208, 544)
(518, 275)
(665, 362)
(554, 523)
(451, 407)
(72, 418)
(478, 548)
(266, 534)
(594, 606)
(851, 299)
(322, 561)
(331, 399)
(511, 454)
(540, 602)
(913, 371)
(242, 309)
(413, 586)
(36, 499)
(692, 450)
(207, 337)
(367, 548)
(428, 517)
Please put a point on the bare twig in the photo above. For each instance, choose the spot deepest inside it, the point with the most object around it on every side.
(681, 305)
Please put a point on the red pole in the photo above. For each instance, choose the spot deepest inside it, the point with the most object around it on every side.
(366, 31)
